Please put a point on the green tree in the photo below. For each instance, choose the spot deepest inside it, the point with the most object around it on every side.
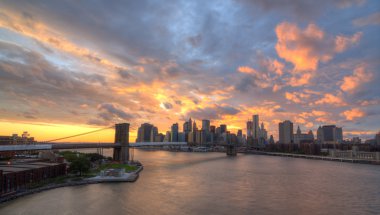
(80, 164)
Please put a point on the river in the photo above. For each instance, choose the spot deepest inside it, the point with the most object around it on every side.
(212, 183)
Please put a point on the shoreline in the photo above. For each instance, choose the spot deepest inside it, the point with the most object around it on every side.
(315, 157)
(85, 181)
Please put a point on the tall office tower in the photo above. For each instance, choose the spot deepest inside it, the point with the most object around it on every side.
(167, 137)
(377, 138)
(190, 125)
(186, 127)
(286, 132)
(153, 133)
(240, 133)
(212, 129)
(311, 134)
(339, 134)
(271, 140)
(263, 132)
(329, 133)
(332, 134)
(249, 129)
(320, 135)
(206, 125)
(223, 128)
(195, 129)
(174, 133)
(144, 131)
(255, 127)
(181, 137)
(121, 137)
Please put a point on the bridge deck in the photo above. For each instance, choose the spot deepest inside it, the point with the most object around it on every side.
(31, 147)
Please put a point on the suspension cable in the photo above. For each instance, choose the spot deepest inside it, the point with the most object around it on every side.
(77, 135)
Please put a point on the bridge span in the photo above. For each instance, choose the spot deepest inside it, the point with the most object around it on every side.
(59, 146)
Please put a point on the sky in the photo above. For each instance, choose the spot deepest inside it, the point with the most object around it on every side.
(68, 67)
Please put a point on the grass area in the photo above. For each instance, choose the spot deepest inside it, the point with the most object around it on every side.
(118, 166)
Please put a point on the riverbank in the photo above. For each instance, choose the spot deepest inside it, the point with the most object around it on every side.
(85, 181)
(315, 157)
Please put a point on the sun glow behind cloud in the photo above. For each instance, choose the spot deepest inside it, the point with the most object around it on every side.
(166, 65)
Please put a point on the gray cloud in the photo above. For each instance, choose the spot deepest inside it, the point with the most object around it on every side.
(213, 113)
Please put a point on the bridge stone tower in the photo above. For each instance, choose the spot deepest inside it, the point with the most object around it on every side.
(121, 153)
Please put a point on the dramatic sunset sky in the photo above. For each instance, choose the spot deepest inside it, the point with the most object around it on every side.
(73, 66)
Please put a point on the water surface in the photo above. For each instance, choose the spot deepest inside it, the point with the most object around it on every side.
(212, 183)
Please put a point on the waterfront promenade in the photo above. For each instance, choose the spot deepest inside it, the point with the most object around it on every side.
(129, 177)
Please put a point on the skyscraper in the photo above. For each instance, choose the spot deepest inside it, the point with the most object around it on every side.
(143, 134)
(223, 128)
(320, 135)
(285, 132)
(263, 132)
(194, 126)
(249, 129)
(206, 125)
(174, 133)
(240, 133)
(153, 133)
(332, 134)
(255, 127)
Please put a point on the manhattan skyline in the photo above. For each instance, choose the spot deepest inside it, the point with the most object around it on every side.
(68, 67)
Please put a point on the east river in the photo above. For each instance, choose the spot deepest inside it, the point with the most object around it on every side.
(212, 183)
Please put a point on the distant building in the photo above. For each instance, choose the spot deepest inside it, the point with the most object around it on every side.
(167, 137)
(15, 139)
(255, 127)
(249, 129)
(356, 140)
(206, 125)
(331, 134)
(377, 138)
(240, 133)
(286, 132)
(195, 127)
(144, 132)
(174, 133)
(191, 138)
(153, 133)
(223, 128)
(159, 137)
(320, 135)
(300, 137)
(212, 129)
(271, 140)
(200, 137)
(181, 137)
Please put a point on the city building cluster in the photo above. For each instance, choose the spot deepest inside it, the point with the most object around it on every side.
(15, 139)
(256, 134)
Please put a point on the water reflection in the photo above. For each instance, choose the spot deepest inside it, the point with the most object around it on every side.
(212, 183)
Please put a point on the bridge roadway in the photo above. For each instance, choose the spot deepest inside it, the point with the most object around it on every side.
(56, 146)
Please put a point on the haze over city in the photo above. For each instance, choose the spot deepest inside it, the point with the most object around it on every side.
(68, 67)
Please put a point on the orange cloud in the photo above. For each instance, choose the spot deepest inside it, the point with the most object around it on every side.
(299, 80)
(331, 99)
(353, 114)
(47, 35)
(246, 69)
(342, 42)
(352, 82)
(305, 48)
(296, 97)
